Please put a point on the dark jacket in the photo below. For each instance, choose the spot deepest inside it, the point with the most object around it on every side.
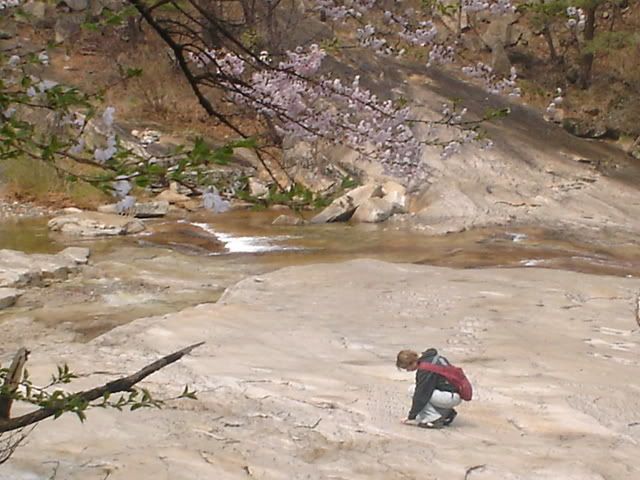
(427, 382)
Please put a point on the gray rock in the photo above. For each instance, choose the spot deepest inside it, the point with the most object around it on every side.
(288, 220)
(8, 297)
(373, 210)
(80, 255)
(95, 224)
(151, 209)
(342, 208)
(4, 35)
(77, 5)
(589, 129)
(18, 269)
(500, 62)
(68, 26)
(158, 208)
(37, 10)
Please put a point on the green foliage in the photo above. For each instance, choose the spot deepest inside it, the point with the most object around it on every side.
(61, 401)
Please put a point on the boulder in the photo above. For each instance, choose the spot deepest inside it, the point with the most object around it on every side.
(95, 224)
(79, 255)
(589, 129)
(68, 26)
(373, 210)
(8, 297)
(158, 208)
(77, 5)
(288, 220)
(172, 197)
(18, 269)
(36, 9)
(342, 208)
(396, 195)
(257, 188)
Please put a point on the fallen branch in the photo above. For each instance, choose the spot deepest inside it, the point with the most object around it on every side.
(120, 385)
(472, 469)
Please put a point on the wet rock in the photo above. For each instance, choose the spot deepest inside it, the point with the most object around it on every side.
(158, 208)
(184, 236)
(8, 297)
(374, 210)
(289, 220)
(18, 269)
(80, 255)
(342, 208)
(95, 224)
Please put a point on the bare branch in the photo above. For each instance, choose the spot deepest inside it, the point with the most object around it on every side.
(120, 385)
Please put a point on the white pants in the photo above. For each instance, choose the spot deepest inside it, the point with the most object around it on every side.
(439, 405)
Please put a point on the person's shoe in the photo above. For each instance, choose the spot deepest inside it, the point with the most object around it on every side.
(450, 418)
(436, 424)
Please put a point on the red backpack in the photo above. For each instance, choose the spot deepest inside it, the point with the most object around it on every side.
(454, 375)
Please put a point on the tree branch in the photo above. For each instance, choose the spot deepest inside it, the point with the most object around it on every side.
(120, 385)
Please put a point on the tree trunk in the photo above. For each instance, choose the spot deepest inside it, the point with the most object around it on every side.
(586, 60)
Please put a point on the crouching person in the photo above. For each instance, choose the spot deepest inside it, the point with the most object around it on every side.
(440, 387)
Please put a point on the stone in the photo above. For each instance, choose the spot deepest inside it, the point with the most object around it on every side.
(71, 210)
(257, 188)
(288, 220)
(18, 269)
(172, 197)
(158, 208)
(396, 195)
(373, 210)
(8, 297)
(342, 208)
(80, 255)
(38, 10)
(500, 63)
(77, 5)
(589, 129)
(68, 26)
(95, 224)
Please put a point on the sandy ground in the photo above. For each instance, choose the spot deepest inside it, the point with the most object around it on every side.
(297, 380)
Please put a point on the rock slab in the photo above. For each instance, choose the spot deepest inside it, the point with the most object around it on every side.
(95, 224)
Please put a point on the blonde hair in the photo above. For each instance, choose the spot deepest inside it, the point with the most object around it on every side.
(406, 358)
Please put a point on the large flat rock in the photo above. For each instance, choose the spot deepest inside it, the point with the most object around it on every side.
(18, 269)
(297, 380)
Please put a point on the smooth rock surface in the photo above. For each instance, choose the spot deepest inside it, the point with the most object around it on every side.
(297, 380)
(8, 297)
(95, 224)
